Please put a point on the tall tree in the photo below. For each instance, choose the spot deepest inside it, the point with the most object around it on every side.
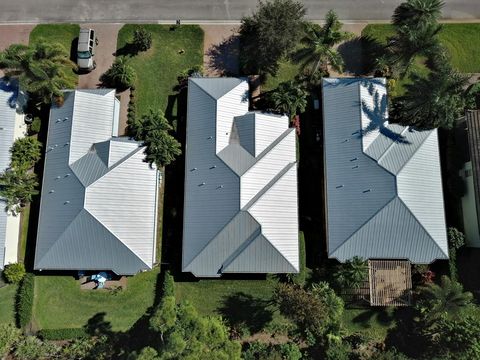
(288, 98)
(17, 188)
(318, 45)
(153, 129)
(269, 34)
(25, 152)
(43, 69)
(417, 13)
(433, 101)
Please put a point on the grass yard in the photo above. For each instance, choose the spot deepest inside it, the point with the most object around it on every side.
(59, 302)
(240, 302)
(373, 322)
(7, 304)
(157, 69)
(287, 71)
(22, 246)
(461, 40)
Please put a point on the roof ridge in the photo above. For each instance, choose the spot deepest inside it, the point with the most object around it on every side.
(267, 187)
(389, 147)
(253, 236)
(415, 152)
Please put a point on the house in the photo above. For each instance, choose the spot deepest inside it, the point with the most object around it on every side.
(99, 198)
(468, 133)
(383, 185)
(241, 203)
(12, 127)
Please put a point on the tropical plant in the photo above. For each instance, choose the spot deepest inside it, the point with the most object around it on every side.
(456, 239)
(318, 43)
(25, 152)
(351, 274)
(9, 335)
(433, 101)
(121, 74)
(457, 338)
(288, 98)
(270, 34)
(43, 69)
(259, 350)
(153, 129)
(17, 188)
(417, 13)
(14, 273)
(32, 348)
(142, 39)
(446, 300)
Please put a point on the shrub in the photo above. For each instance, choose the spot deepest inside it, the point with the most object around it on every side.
(14, 273)
(32, 348)
(9, 335)
(257, 350)
(120, 75)
(24, 301)
(35, 125)
(456, 240)
(25, 152)
(168, 287)
(62, 334)
(142, 39)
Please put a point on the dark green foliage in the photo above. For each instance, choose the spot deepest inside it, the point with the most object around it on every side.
(43, 69)
(288, 98)
(142, 39)
(14, 273)
(300, 278)
(9, 335)
(153, 129)
(35, 126)
(32, 348)
(25, 152)
(62, 334)
(351, 274)
(24, 300)
(17, 188)
(435, 101)
(338, 351)
(270, 34)
(120, 75)
(458, 339)
(168, 286)
(319, 41)
(456, 240)
(262, 351)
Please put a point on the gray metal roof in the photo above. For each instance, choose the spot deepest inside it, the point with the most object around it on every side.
(99, 198)
(241, 212)
(383, 181)
(8, 101)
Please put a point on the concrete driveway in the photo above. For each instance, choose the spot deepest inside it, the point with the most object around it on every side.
(14, 34)
(104, 55)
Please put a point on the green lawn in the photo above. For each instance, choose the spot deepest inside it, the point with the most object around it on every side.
(60, 33)
(373, 322)
(287, 71)
(7, 304)
(22, 246)
(237, 301)
(157, 69)
(59, 302)
(461, 40)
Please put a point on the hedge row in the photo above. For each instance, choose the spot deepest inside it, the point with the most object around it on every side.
(62, 334)
(24, 300)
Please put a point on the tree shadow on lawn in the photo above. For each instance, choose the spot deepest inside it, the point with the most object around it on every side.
(379, 315)
(243, 310)
(223, 57)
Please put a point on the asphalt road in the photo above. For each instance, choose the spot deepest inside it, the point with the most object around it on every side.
(201, 10)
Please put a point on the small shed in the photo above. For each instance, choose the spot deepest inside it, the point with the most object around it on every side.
(390, 282)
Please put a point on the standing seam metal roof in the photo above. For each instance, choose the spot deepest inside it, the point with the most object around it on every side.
(99, 198)
(383, 181)
(241, 212)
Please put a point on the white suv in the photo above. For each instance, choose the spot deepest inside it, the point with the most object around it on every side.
(87, 41)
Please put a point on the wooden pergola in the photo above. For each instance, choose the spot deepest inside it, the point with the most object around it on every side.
(390, 282)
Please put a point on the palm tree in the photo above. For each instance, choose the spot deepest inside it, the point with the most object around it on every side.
(25, 153)
(121, 74)
(43, 69)
(319, 42)
(443, 301)
(153, 129)
(351, 274)
(417, 13)
(433, 101)
(17, 188)
(288, 98)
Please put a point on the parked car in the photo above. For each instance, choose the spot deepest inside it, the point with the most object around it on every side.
(87, 42)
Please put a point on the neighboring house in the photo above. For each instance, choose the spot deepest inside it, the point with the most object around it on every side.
(99, 198)
(241, 206)
(471, 176)
(383, 181)
(12, 127)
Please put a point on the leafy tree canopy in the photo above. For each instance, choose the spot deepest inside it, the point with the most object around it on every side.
(17, 188)
(288, 98)
(25, 152)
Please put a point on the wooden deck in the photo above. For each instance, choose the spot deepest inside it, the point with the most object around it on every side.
(390, 282)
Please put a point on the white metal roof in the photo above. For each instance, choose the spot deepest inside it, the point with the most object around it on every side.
(98, 207)
(241, 212)
(383, 181)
